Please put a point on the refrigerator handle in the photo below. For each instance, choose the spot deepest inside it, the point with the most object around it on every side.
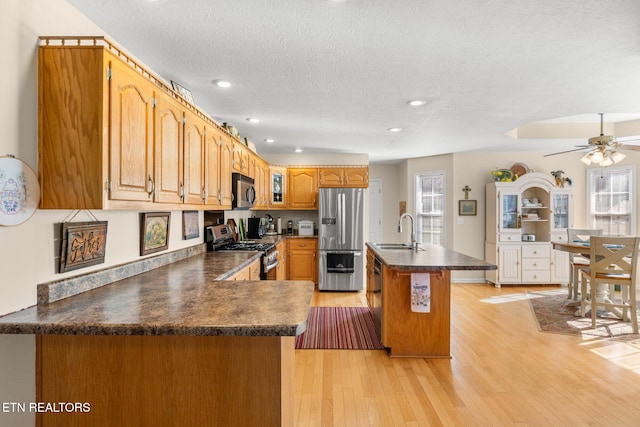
(339, 218)
(344, 218)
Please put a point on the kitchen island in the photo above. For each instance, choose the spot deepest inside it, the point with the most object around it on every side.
(172, 346)
(404, 332)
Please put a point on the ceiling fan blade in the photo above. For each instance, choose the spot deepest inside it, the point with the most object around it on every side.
(568, 151)
(630, 147)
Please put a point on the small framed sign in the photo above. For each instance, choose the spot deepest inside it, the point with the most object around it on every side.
(83, 244)
(182, 91)
(190, 228)
(467, 207)
(154, 232)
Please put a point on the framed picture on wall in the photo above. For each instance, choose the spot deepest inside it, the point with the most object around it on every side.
(467, 207)
(190, 228)
(154, 232)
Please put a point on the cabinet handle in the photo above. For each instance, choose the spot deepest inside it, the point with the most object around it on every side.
(181, 192)
(152, 185)
(204, 195)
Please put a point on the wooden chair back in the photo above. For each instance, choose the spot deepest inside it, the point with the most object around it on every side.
(614, 256)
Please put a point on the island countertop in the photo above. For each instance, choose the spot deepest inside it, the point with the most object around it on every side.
(428, 258)
(182, 298)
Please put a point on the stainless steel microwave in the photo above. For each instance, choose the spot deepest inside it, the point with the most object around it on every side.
(243, 191)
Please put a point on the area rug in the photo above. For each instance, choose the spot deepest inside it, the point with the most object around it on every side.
(553, 314)
(343, 328)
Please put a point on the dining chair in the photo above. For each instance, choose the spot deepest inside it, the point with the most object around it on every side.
(612, 261)
(577, 261)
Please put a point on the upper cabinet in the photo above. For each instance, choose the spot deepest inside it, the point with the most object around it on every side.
(303, 188)
(277, 187)
(113, 136)
(348, 176)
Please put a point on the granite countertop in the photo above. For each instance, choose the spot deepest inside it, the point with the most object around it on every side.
(183, 298)
(428, 258)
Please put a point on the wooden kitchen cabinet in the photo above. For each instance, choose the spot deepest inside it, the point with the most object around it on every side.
(303, 188)
(95, 134)
(240, 158)
(281, 269)
(113, 136)
(250, 272)
(343, 177)
(303, 259)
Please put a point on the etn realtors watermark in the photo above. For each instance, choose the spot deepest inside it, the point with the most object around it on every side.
(44, 407)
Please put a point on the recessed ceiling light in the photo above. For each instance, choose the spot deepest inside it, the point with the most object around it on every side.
(253, 120)
(222, 83)
(298, 150)
(269, 140)
(417, 102)
(395, 129)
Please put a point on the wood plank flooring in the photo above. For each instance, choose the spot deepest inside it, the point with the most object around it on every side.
(503, 372)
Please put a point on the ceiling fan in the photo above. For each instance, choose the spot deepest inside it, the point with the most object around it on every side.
(603, 149)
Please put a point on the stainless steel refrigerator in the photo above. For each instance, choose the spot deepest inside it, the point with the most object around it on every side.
(341, 239)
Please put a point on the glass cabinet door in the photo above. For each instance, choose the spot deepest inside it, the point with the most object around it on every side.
(560, 206)
(509, 211)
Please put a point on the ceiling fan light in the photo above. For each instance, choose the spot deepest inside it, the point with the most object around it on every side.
(597, 157)
(606, 162)
(586, 159)
(617, 156)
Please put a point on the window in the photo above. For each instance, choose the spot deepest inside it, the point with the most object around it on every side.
(611, 198)
(430, 207)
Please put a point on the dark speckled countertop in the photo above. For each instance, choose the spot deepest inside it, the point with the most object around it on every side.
(428, 258)
(186, 297)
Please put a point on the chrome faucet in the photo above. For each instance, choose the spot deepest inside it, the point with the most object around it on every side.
(414, 244)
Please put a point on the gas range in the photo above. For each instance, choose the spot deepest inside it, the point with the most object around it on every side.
(220, 238)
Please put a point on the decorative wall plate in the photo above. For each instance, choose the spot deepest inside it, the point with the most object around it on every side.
(19, 191)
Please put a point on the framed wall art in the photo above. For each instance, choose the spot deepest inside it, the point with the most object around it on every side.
(190, 228)
(154, 232)
(467, 207)
(82, 244)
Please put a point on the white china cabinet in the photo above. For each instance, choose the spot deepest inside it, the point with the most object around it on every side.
(523, 218)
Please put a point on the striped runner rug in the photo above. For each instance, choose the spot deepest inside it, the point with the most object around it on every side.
(343, 328)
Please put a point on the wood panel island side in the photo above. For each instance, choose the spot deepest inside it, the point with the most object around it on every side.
(407, 333)
(172, 346)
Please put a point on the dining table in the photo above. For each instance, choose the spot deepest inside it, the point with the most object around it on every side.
(603, 295)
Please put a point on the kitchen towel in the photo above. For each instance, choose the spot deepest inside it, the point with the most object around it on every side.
(421, 292)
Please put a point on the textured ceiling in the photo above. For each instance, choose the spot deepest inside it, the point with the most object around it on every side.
(332, 76)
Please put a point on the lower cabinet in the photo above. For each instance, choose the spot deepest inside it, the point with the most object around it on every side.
(281, 269)
(303, 259)
(250, 272)
(526, 263)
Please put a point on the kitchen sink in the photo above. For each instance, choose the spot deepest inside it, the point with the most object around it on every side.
(392, 246)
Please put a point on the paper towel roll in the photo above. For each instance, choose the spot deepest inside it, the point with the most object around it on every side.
(279, 225)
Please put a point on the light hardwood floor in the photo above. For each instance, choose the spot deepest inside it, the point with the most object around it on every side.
(503, 372)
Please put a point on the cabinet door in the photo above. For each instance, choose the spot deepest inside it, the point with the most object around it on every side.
(330, 177)
(281, 269)
(509, 215)
(561, 204)
(303, 260)
(226, 159)
(509, 261)
(211, 167)
(303, 188)
(131, 130)
(193, 159)
(168, 151)
(356, 177)
(560, 267)
(278, 187)
(240, 158)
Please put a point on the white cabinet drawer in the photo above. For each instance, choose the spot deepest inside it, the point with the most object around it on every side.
(536, 251)
(536, 263)
(536, 276)
(510, 237)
